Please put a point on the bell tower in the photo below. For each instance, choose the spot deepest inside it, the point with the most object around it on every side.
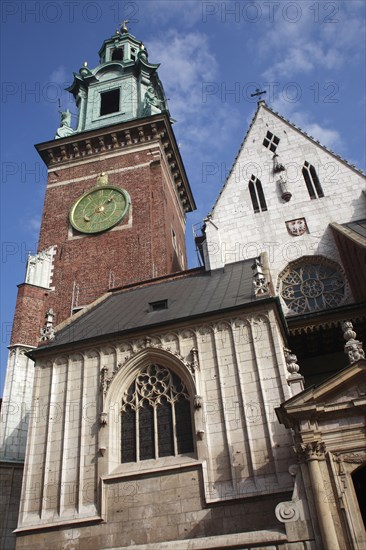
(123, 87)
(114, 212)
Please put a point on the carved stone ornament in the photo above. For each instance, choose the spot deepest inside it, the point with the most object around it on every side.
(287, 511)
(352, 458)
(260, 283)
(103, 418)
(277, 166)
(197, 401)
(48, 332)
(291, 362)
(315, 450)
(102, 450)
(284, 187)
(195, 361)
(293, 470)
(104, 380)
(296, 228)
(353, 348)
(65, 126)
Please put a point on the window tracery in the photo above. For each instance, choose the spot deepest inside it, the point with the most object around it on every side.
(312, 285)
(155, 416)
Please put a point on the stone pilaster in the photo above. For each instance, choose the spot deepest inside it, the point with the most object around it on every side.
(16, 404)
(312, 453)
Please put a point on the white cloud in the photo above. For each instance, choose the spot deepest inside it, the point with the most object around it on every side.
(187, 64)
(304, 60)
(327, 136)
(185, 59)
(324, 37)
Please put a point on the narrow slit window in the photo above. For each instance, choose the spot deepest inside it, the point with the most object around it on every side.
(257, 195)
(312, 181)
(271, 141)
(174, 239)
(109, 102)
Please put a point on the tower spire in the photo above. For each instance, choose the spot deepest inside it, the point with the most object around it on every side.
(123, 87)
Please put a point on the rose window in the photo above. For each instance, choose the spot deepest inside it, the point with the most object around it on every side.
(312, 286)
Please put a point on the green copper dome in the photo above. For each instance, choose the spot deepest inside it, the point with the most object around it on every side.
(124, 86)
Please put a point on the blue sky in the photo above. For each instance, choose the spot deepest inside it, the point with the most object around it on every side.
(309, 56)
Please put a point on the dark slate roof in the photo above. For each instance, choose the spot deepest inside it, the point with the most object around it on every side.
(193, 294)
(355, 231)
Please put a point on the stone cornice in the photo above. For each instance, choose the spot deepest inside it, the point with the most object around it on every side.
(316, 402)
(315, 410)
(311, 322)
(99, 142)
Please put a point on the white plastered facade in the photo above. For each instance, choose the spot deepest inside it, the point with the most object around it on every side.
(235, 232)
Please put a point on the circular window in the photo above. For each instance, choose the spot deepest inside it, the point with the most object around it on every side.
(312, 285)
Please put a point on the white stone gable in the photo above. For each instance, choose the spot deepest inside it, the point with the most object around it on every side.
(287, 230)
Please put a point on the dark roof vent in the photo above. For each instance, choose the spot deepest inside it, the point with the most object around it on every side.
(159, 305)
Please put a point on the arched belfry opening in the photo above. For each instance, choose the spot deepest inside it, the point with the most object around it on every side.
(117, 54)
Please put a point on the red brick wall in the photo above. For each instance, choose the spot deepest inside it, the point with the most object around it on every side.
(29, 316)
(134, 253)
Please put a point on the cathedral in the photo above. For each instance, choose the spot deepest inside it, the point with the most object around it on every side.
(151, 406)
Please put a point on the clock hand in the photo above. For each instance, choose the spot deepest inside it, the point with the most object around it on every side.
(102, 206)
(98, 210)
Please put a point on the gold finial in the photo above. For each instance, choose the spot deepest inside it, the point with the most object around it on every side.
(102, 179)
(124, 28)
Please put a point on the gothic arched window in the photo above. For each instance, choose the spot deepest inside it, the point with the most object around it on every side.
(312, 181)
(156, 416)
(312, 284)
(257, 195)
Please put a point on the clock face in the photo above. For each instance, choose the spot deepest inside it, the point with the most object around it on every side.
(99, 209)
